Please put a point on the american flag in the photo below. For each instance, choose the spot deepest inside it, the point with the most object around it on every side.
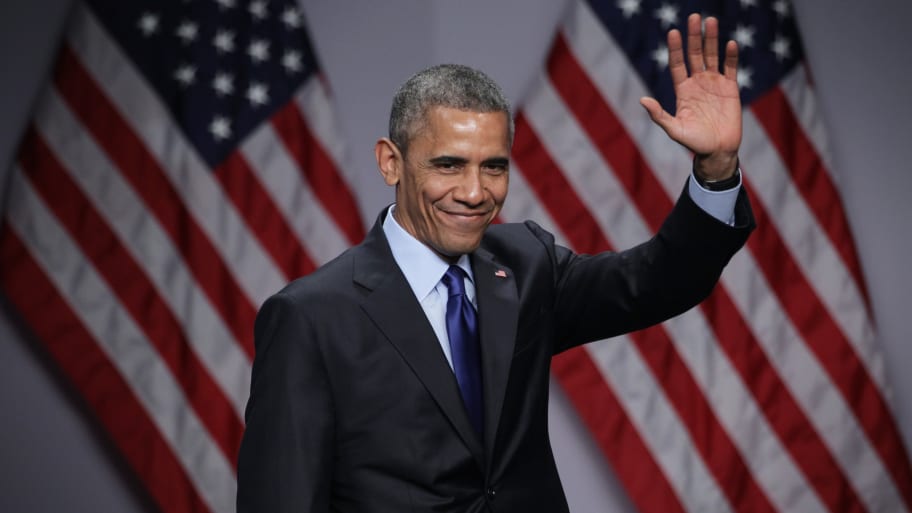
(770, 396)
(182, 166)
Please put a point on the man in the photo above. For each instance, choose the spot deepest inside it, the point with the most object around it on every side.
(411, 372)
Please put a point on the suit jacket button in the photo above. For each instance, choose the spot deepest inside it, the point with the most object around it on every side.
(490, 492)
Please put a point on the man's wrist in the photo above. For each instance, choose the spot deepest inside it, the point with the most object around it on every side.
(720, 185)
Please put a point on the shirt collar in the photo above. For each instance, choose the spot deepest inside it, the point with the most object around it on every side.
(421, 266)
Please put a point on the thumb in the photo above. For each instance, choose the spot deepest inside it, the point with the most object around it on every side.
(657, 113)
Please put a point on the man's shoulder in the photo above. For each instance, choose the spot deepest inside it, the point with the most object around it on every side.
(522, 238)
(332, 278)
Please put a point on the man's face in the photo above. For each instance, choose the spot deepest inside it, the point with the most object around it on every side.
(453, 181)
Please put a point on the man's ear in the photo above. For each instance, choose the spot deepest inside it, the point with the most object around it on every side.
(389, 160)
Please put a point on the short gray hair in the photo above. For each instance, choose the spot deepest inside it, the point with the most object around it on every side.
(445, 85)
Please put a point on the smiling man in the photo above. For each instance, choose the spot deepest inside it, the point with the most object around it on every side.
(410, 374)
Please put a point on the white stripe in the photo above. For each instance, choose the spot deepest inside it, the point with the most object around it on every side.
(803, 100)
(734, 406)
(605, 64)
(292, 195)
(811, 248)
(192, 179)
(632, 382)
(149, 245)
(667, 439)
(125, 345)
(806, 379)
(315, 105)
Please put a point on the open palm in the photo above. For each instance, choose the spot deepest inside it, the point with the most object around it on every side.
(707, 120)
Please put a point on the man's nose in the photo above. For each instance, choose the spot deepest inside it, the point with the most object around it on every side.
(470, 190)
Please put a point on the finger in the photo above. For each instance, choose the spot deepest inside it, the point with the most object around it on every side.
(676, 57)
(731, 60)
(711, 44)
(659, 115)
(695, 44)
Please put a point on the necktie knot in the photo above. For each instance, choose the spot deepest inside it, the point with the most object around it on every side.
(453, 279)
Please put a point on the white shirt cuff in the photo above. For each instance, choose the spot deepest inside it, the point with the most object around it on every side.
(719, 204)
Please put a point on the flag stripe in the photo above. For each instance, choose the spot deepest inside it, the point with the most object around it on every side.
(571, 147)
(608, 70)
(201, 195)
(601, 126)
(809, 176)
(644, 481)
(140, 168)
(292, 194)
(833, 350)
(130, 285)
(124, 343)
(86, 365)
(150, 246)
(654, 344)
(266, 222)
(810, 248)
(616, 147)
(320, 172)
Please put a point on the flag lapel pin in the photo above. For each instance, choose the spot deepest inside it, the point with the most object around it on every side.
(500, 273)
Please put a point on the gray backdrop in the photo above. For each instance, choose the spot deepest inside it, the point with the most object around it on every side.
(52, 460)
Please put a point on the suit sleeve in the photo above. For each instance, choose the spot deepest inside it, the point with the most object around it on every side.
(285, 459)
(604, 295)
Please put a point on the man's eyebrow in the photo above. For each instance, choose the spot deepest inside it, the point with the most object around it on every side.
(496, 162)
(448, 159)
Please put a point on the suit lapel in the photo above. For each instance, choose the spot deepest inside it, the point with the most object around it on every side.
(498, 311)
(391, 304)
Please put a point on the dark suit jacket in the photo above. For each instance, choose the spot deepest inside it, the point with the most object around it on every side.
(354, 408)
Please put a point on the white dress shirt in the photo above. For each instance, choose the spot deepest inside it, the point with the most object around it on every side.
(423, 269)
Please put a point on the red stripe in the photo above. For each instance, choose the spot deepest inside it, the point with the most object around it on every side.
(731, 330)
(319, 171)
(810, 177)
(263, 218)
(645, 483)
(832, 349)
(635, 466)
(136, 293)
(708, 436)
(89, 369)
(149, 180)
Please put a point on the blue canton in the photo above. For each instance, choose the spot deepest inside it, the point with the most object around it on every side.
(222, 67)
(768, 42)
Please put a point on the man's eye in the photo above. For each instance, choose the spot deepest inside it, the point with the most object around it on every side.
(496, 169)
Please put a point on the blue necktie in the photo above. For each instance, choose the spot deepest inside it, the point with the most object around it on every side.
(462, 328)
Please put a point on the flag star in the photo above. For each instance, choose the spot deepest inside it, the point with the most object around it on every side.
(224, 41)
(187, 31)
(258, 94)
(748, 3)
(745, 78)
(629, 7)
(148, 23)
(223, 83)
(660, 55)
(220, 128)
(291, 17)
(291, 61)
(258, 50)
(781, 7)
(185, 74)
(258, 9)
(667, 15)
(781, 47)
(225, 4)
(744, 36)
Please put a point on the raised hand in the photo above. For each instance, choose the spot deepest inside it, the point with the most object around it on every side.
(707, 120)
